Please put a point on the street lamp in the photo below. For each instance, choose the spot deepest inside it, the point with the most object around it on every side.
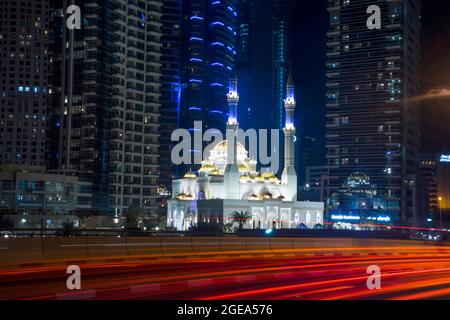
(440, 210)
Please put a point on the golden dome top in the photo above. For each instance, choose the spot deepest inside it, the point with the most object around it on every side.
(259, 178)
(190, 175)
(274, 180)
(207, 167)
(243, 167)
(267, 195)
(268, 175)
(215, 172)
(223, 146)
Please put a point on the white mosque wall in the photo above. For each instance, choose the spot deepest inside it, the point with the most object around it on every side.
(265, 214)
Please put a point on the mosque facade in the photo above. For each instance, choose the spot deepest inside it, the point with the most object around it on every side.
(229, 181)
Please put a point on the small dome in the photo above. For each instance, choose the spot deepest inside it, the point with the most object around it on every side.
(215, 172)
(184, 196)
(267, 195)
(268, 175)
(243, 167)
(190, 175)
(245, 178)
(253, 197)
(259, 178)
(223, 146)
(207, 167)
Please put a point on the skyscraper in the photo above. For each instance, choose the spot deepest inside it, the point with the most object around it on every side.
(23, 81)
(209, 33)
(372, 123)
(263, 61)
(208, 56)
(170, 86)
(107, 112)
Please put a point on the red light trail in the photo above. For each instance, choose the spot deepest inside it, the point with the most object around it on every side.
(408, 273)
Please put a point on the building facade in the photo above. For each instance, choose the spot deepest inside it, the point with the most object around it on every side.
(170, 87)
(443, 190)
(263, 61)
(209, 34)
(29, 190)
(24, 59)
(229, 182)
(106, 104)
(372, 122)
(428, 169)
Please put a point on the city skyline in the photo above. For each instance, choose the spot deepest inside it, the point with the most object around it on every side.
(168, 64)
(221, 150)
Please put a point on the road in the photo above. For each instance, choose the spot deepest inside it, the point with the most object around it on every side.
(269, 277)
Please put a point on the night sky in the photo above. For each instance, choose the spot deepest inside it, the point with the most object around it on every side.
(308, 52)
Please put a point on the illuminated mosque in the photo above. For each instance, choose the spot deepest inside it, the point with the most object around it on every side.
(223, 187)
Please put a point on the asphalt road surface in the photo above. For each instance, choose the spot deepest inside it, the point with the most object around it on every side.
(305, 277)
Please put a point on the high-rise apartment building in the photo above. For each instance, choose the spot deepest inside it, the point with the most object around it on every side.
(24, 59)
(372, 120)
(107, 101)
(263, 61)
(209, 34)
(170, 86)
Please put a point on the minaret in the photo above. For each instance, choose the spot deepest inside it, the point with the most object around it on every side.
(289, 176)
(231, 174)
(233, 100)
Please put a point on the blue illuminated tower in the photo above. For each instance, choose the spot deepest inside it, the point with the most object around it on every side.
(289, 175)
(170, 87)
(209, 34)
(233, 100)
(208, 55)
(232, 175)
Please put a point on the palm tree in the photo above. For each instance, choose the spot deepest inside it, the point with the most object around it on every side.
(241, 218)
(5, 222)
(136, 218)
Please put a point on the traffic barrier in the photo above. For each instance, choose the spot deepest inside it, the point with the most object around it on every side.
(65, 248)
(258, 244)
(176, 246)
(21, 250)
(17, 251)
(144, 246)
(324, 244)
(233, 245)
(303, 243)
(206, 245)
(285, 244)
(107, 247)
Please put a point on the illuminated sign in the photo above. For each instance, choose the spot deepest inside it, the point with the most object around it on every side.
(445, 158)
(380, 219)
(342, 217)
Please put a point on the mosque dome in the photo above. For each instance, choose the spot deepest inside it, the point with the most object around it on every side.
(207, 167)
(190, 175)
(215, 172)
(218, 158)
(274, 180)
(258, 178)
(268, 175)
(253, 197)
